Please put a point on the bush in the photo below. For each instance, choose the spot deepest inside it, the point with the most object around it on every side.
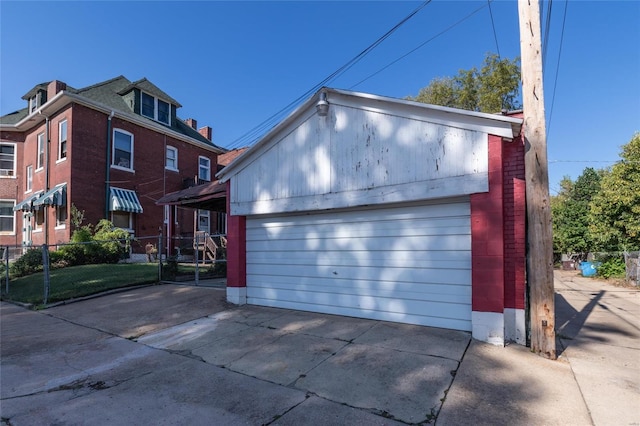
(30, 262)
(612, 267)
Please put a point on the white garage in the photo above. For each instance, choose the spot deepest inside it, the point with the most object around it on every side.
(408, 264)
(379, 208)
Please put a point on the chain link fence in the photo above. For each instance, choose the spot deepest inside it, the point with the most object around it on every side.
(58, 272)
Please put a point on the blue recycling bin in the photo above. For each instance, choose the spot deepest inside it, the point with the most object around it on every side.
(588, 269)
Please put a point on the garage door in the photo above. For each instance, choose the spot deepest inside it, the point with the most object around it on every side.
(409, 264)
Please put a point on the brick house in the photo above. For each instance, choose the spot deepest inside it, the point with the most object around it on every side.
(111, 150)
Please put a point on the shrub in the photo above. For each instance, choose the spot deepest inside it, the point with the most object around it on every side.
(612, 267)
(30, 262)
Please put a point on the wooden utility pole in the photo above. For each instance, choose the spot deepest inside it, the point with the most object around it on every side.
(539, 238)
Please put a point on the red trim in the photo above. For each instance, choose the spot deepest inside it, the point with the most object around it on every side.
(236, 247)
(487, 244)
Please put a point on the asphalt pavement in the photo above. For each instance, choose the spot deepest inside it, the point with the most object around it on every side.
(177, 354)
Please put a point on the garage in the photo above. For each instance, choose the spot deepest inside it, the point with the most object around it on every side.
(382, 208)
(408, 264)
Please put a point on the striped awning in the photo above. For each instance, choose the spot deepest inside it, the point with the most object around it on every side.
(124, 200)
(57, 196)
(27, 204)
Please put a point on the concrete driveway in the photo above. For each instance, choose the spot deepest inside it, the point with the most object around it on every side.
(172, 354)
(180, 355)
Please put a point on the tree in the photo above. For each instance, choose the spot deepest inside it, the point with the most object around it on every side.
(615, 210)
(496, 86)
(570, 213)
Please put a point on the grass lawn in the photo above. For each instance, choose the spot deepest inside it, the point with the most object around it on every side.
(78, 281)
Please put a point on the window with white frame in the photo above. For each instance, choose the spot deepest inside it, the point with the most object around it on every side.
(29, 178)
(166, 214)
(122, 155)
(33, 103)
(155, 108)
(203, 220)
(122, 219)
(7, 216)
(61, 216)
(204, 169)
(171, 162)
(62, 140)
(7, 160)
(40, 158)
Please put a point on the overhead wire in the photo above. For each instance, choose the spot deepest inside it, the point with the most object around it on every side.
(493, 25)
(547, 31)
(254, 133)
(555, 82)
(450, 27)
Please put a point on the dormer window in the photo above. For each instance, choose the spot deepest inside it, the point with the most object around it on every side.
(155, 108)
(33, 103)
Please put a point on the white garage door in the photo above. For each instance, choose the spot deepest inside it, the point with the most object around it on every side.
(409, 264)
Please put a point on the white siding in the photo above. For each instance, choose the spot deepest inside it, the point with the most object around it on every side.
(408, 264)
(357, 157)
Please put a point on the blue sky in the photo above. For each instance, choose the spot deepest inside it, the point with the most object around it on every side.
(232, 65)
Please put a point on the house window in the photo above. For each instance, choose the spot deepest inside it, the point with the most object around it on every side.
(33, 103)
(40, 159)
(171, 162)
(62, 140)
(7, 159)
(204, 169)
(122, 149)
(203, 220)
(7, 217)
(29, 179)
(166, 214)
(61, 216)
(155, 108)
(221, 223)
(121, 219)
(38, 220)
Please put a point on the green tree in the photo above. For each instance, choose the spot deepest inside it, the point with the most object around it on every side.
(570, 213)
(615, 210)
(496, 86)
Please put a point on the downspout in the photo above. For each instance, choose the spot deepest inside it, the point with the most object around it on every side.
(108, 168)
(47, 175)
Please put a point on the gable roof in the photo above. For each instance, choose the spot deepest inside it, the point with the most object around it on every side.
(105, 96)
(496, 124)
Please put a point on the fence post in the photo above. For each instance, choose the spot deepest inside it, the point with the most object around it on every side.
(197, 255)
(160, 254)
(45, 266)
(6, 268)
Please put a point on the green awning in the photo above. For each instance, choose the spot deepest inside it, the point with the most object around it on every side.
(27, 204)
(124, 200)
(54, 197)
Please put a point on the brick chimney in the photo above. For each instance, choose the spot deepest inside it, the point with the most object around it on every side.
(206, 131)
(192, 123)
(54, 87)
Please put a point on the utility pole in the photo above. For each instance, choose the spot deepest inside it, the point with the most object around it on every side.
(539, 238)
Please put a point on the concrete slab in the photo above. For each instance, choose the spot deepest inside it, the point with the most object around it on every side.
(183, 392)
(510, 385)
(416, 339)
(321, 325)
(405, 386)
(287, 358)
(318, 411)
(228, 349)
(599, 331)
(187, 303)
(193, 334)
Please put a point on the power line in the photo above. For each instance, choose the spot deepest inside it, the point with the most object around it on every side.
(555, 82)
(260, 129)
(495, 36)
(450, 27)
(547, 31)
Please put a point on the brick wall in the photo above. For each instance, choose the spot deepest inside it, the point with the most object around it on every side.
(487, 248)
(514, 224)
